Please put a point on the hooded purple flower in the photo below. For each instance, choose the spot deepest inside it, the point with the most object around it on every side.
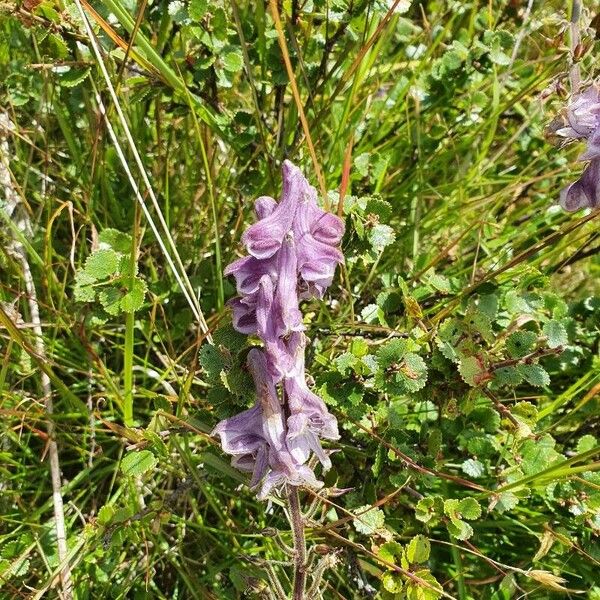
(582, 121)
(293, 250)
(257, 438)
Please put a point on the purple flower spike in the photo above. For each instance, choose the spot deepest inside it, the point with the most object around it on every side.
(264, 238)
(293, 251)
(583, 122)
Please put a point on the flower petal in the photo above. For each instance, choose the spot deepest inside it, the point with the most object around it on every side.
(585, 192)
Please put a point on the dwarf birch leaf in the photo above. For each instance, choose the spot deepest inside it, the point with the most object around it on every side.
(473, 468)
(110, 298)
(472, 371)
(381, 236)
(459, 529)
(116, 240)
(73, 77)
(418, 549)
(556, 333)
(504, 502)
(520, 343)
(508, 376)
(535, 375)
(368, 519)
(197, 9)
(587, 442)
(469, 508)
(390, 552)
(392, 582)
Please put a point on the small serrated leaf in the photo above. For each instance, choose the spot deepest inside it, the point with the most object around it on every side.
(535, 375)
(381, 236)
(418, 549)
(110, 298)
(197, 9)
(102, 263)
(520, 343)
(507, 376)
(469, 508)
(368, 519)
(73, 77)
(473, 371)
(115, 240)
(473, 468)
(134, 297)
(459, 529)
(556, 333)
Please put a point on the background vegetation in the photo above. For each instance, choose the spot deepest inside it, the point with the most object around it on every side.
(458, 346)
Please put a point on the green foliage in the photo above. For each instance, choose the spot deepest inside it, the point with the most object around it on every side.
(457, 346)
(109, 276)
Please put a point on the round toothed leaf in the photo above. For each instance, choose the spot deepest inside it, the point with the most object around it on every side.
(556, 333)
(520, 343)
(535, 375)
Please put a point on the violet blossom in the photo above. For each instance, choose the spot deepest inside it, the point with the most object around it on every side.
(582, 122)
(293, 252)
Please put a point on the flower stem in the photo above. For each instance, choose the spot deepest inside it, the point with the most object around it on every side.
(297, 523)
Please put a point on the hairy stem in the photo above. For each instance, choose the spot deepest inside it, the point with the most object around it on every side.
(297, 523)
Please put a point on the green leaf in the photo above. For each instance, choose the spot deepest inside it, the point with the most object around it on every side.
(361, 163)
(392, 582)
(102, 263)
(345, 362)
(73, 77)
(83, 293)
(586, 443)
(233, 61)
(507, 376)
(110, 298)
(535, 375)
(391, 352)
(390, 552)
(473, 371)
(488, 305)
(380, 208)
(381, 236)
(504, 502)
(520, 343)
(459, 529)
(416, 591)
(372, 314)
(487, 417)
(418, 549)
(556, 333)
(538, 454)
(134, 297)
(469, 508)
(117, 240)
(105, 514)
(137, 463)
(212, 361)
(197, 9)
(368, 519)
(473, 468)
